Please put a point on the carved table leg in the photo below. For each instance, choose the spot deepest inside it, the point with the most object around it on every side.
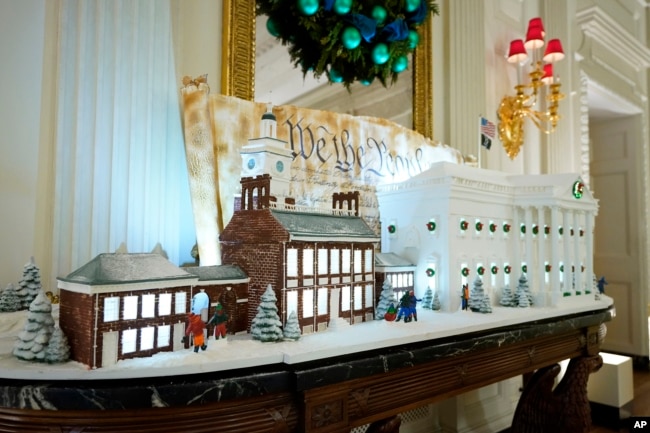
(564, 409)
(388, 425)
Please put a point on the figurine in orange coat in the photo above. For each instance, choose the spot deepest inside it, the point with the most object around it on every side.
(195, 327)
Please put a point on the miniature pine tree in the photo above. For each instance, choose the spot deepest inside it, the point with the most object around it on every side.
(427, 300)
(9, 300)
(30, 285)
(485, 304)
(476, 294)
(386, 297)
(435, 304)
(58, 348)
(34, 337)
(292, 328)
(506, 297)
(266, 325)
(523, 294)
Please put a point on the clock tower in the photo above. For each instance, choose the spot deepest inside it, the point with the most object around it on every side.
(268, 155)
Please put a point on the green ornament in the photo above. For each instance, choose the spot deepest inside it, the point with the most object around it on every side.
(335, 76)
(272, 27)
(400, 64)
(351, 38)
(414, 39)
(380, 54)
(342, 7)
(308, 7)
(412, 5)
(379, 14)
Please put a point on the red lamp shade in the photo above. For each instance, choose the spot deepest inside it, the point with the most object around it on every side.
(554, 51)
(517, 53)
(534, 38)
(548, 74)
(537, 22)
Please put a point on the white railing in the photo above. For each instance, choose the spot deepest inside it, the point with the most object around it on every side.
(311, 209)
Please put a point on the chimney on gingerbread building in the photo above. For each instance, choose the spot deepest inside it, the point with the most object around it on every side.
(350, 199)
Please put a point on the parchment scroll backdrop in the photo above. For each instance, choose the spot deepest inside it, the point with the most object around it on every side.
(334, 152)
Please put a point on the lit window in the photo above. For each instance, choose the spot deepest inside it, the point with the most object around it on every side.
(357, 261)
(400, 280)
(334, 261)
(308, 262)
(146, 338)
(164, 336)
(307, 303)
(370, 296)
(148, 305)
(180, 307)
(130, 308)
(368, 261)
(164, 304)
(346, 261)
(129, 339)
(111, 309)
(410, 278)
(322, 261)
(345, 297)
(358, 300)
(322, 301)
(292, 302)
(292, 262)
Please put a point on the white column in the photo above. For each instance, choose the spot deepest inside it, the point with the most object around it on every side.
(532, 271)
(555, 256)
(568, 262)
(576, 250)
(589, 248)
(541, 257)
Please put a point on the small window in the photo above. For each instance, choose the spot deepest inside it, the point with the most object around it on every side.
(368, 261)
(164, 336)
(308, 303)
(358, 298)
(292, 302)
(322, 261)
(345, 297)
(148, 305)
(308, 262)
(130, 311)
(111, 309)
(346, 261)
(129, 340)
(357, 261)
(322, 301)
(146, 338)
(334, 261)
(164, 304)
(370, 296)
(292, 262)
(180, 306)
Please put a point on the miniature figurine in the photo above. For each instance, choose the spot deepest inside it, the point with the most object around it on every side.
(404, 308)
(219, 321)
(465, 297)
(601, 285)
(195, 327)
(391, 313)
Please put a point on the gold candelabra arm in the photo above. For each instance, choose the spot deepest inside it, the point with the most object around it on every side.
(511, 124)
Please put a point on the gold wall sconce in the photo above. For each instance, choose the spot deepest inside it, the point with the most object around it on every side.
(528, 101)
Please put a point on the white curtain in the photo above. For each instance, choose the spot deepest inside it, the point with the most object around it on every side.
(120, 165)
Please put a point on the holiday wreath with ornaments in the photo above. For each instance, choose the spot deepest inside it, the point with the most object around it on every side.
(348, 40)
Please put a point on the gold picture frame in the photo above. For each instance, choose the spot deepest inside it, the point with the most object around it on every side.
(238, 62)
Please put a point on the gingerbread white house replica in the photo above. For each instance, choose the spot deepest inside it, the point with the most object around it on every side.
(319, 262)
(455, 222)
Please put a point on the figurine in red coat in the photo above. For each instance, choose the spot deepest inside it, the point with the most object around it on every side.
(195, 327)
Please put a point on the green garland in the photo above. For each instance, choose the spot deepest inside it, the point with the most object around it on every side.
(318, 32)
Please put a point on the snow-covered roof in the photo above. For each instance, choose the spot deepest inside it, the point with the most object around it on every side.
(324, 227)
(111, 269)
(391, 262)
(220, 274)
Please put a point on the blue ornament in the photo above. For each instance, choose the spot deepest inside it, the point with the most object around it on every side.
(351, 38)
(367, 81)
(414, 39)
(308, 7)
(335, 76)
(380, 53)
(412, 5)
(400, 64)
(342, 7)
(379, 14)
(272, 27)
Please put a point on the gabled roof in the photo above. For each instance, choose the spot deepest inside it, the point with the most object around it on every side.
(324, 227)
(391, 262)
(120, 268)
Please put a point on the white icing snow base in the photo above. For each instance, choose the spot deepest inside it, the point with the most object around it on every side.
(241, 351)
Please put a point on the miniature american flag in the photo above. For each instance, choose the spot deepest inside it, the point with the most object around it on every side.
(488, 131)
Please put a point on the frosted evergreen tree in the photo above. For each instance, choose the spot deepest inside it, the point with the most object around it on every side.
(506, 297)
(485, 304)
(58, 348)
(386, 297)
(435, 304)
(476, 294)
(292, 327)
(9, 300)
(30, 285)
(34, 337)
(523, 293)
(427, 300)
(266, 325)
